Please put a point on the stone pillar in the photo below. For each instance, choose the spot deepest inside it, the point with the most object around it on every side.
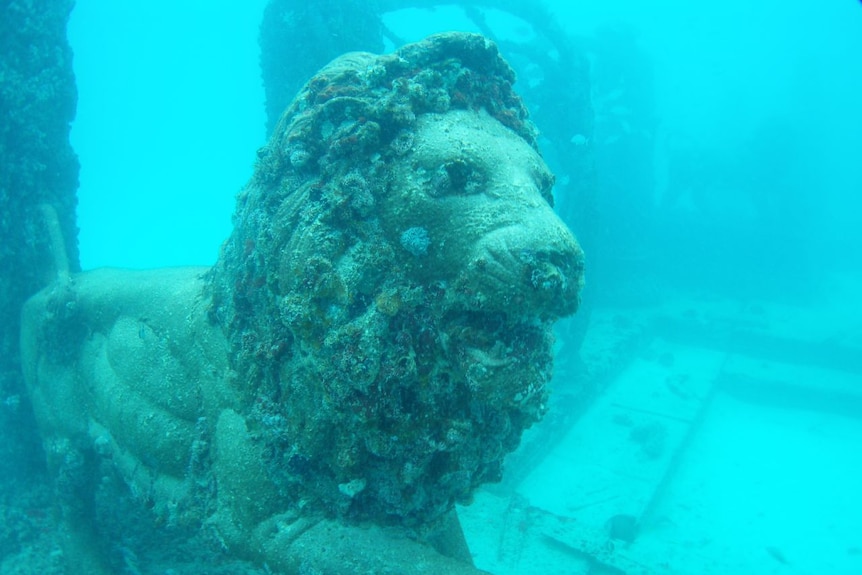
(38, 168)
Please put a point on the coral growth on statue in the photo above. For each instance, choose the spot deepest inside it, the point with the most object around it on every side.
(390, 285)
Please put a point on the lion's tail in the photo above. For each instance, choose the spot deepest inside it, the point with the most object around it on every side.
(55, 239)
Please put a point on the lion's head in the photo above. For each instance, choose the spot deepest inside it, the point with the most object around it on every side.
(391, 282)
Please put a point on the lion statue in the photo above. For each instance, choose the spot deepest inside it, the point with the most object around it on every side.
(373, 340)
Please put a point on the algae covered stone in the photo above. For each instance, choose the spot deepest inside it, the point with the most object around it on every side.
(389, 298)
(373, 340)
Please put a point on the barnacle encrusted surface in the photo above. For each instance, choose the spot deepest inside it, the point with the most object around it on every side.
(391, 281)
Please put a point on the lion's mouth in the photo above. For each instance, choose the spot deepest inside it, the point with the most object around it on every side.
(504, 362)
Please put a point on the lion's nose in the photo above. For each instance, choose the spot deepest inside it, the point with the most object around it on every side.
(555, 276)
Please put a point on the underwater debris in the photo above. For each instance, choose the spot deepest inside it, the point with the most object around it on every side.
(623, 527)
(651, 437)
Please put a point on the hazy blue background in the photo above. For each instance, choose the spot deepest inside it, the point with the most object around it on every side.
(170, 114)
(170, 109)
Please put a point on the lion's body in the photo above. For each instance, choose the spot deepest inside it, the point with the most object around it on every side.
(372, 342)
(140, 395)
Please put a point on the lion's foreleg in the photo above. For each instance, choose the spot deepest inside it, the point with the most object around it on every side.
(74, 471)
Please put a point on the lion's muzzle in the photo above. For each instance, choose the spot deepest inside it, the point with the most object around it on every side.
(535, 267)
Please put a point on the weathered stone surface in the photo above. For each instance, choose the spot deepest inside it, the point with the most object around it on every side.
(37, 166)
(373, 340)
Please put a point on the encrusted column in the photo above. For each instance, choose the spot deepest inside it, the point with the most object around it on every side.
(38, 168)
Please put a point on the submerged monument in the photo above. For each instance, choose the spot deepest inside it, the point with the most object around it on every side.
(372, 342)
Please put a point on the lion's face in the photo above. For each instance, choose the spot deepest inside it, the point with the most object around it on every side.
(470, 206)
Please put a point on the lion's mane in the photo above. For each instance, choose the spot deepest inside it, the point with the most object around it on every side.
(374, 395)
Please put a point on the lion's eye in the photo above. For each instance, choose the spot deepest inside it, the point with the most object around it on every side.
(457, 178)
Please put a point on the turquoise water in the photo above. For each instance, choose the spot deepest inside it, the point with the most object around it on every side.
(709, 388)
(721, 73)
